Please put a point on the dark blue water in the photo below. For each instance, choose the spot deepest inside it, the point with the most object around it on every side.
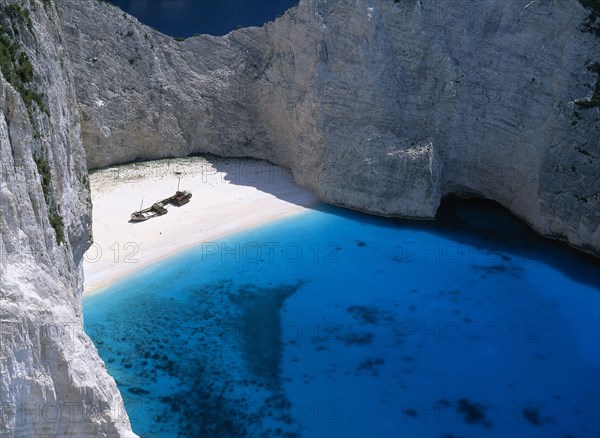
(184, 18)
(337, 324)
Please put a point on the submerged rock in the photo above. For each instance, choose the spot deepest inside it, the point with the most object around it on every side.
(138, 391)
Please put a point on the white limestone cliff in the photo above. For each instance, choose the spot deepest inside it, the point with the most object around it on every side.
(52, 382)
(378, 105)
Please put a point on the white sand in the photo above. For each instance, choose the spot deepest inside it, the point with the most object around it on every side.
(229, 195)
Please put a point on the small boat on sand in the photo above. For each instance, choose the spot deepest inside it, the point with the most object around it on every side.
(181, 198)
(159, 208)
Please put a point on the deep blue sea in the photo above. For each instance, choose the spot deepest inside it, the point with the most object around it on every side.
(337, 324)
(184, 18)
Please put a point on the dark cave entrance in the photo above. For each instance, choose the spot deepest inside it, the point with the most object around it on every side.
(470, 216)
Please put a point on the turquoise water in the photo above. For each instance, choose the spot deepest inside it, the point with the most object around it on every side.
(338, 324)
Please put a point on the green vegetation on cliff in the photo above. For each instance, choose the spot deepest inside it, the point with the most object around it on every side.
(43, 168)
(592, 25)
(594, 102)
(15, 64)
(592, 22)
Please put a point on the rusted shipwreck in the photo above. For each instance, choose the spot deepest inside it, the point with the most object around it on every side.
(159, 208)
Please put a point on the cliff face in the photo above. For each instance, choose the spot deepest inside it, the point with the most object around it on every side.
(376, 105)
(52, 381)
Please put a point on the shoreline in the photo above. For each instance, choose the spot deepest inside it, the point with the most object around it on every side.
(228, 196)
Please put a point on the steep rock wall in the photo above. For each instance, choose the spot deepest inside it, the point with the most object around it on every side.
(52, 382)
(378, 105)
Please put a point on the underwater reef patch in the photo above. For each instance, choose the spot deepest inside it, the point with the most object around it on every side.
(472, 412)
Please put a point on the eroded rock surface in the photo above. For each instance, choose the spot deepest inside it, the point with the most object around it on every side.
(52, 382)
(377, 105)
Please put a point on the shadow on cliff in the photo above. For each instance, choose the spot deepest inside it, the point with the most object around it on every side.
(265, 177)
(473, 220)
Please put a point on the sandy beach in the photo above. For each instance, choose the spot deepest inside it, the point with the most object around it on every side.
(229, 196)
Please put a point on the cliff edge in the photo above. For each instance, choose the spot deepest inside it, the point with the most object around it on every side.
(52, 381)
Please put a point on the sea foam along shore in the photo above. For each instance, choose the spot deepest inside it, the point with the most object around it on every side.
(229, 196)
